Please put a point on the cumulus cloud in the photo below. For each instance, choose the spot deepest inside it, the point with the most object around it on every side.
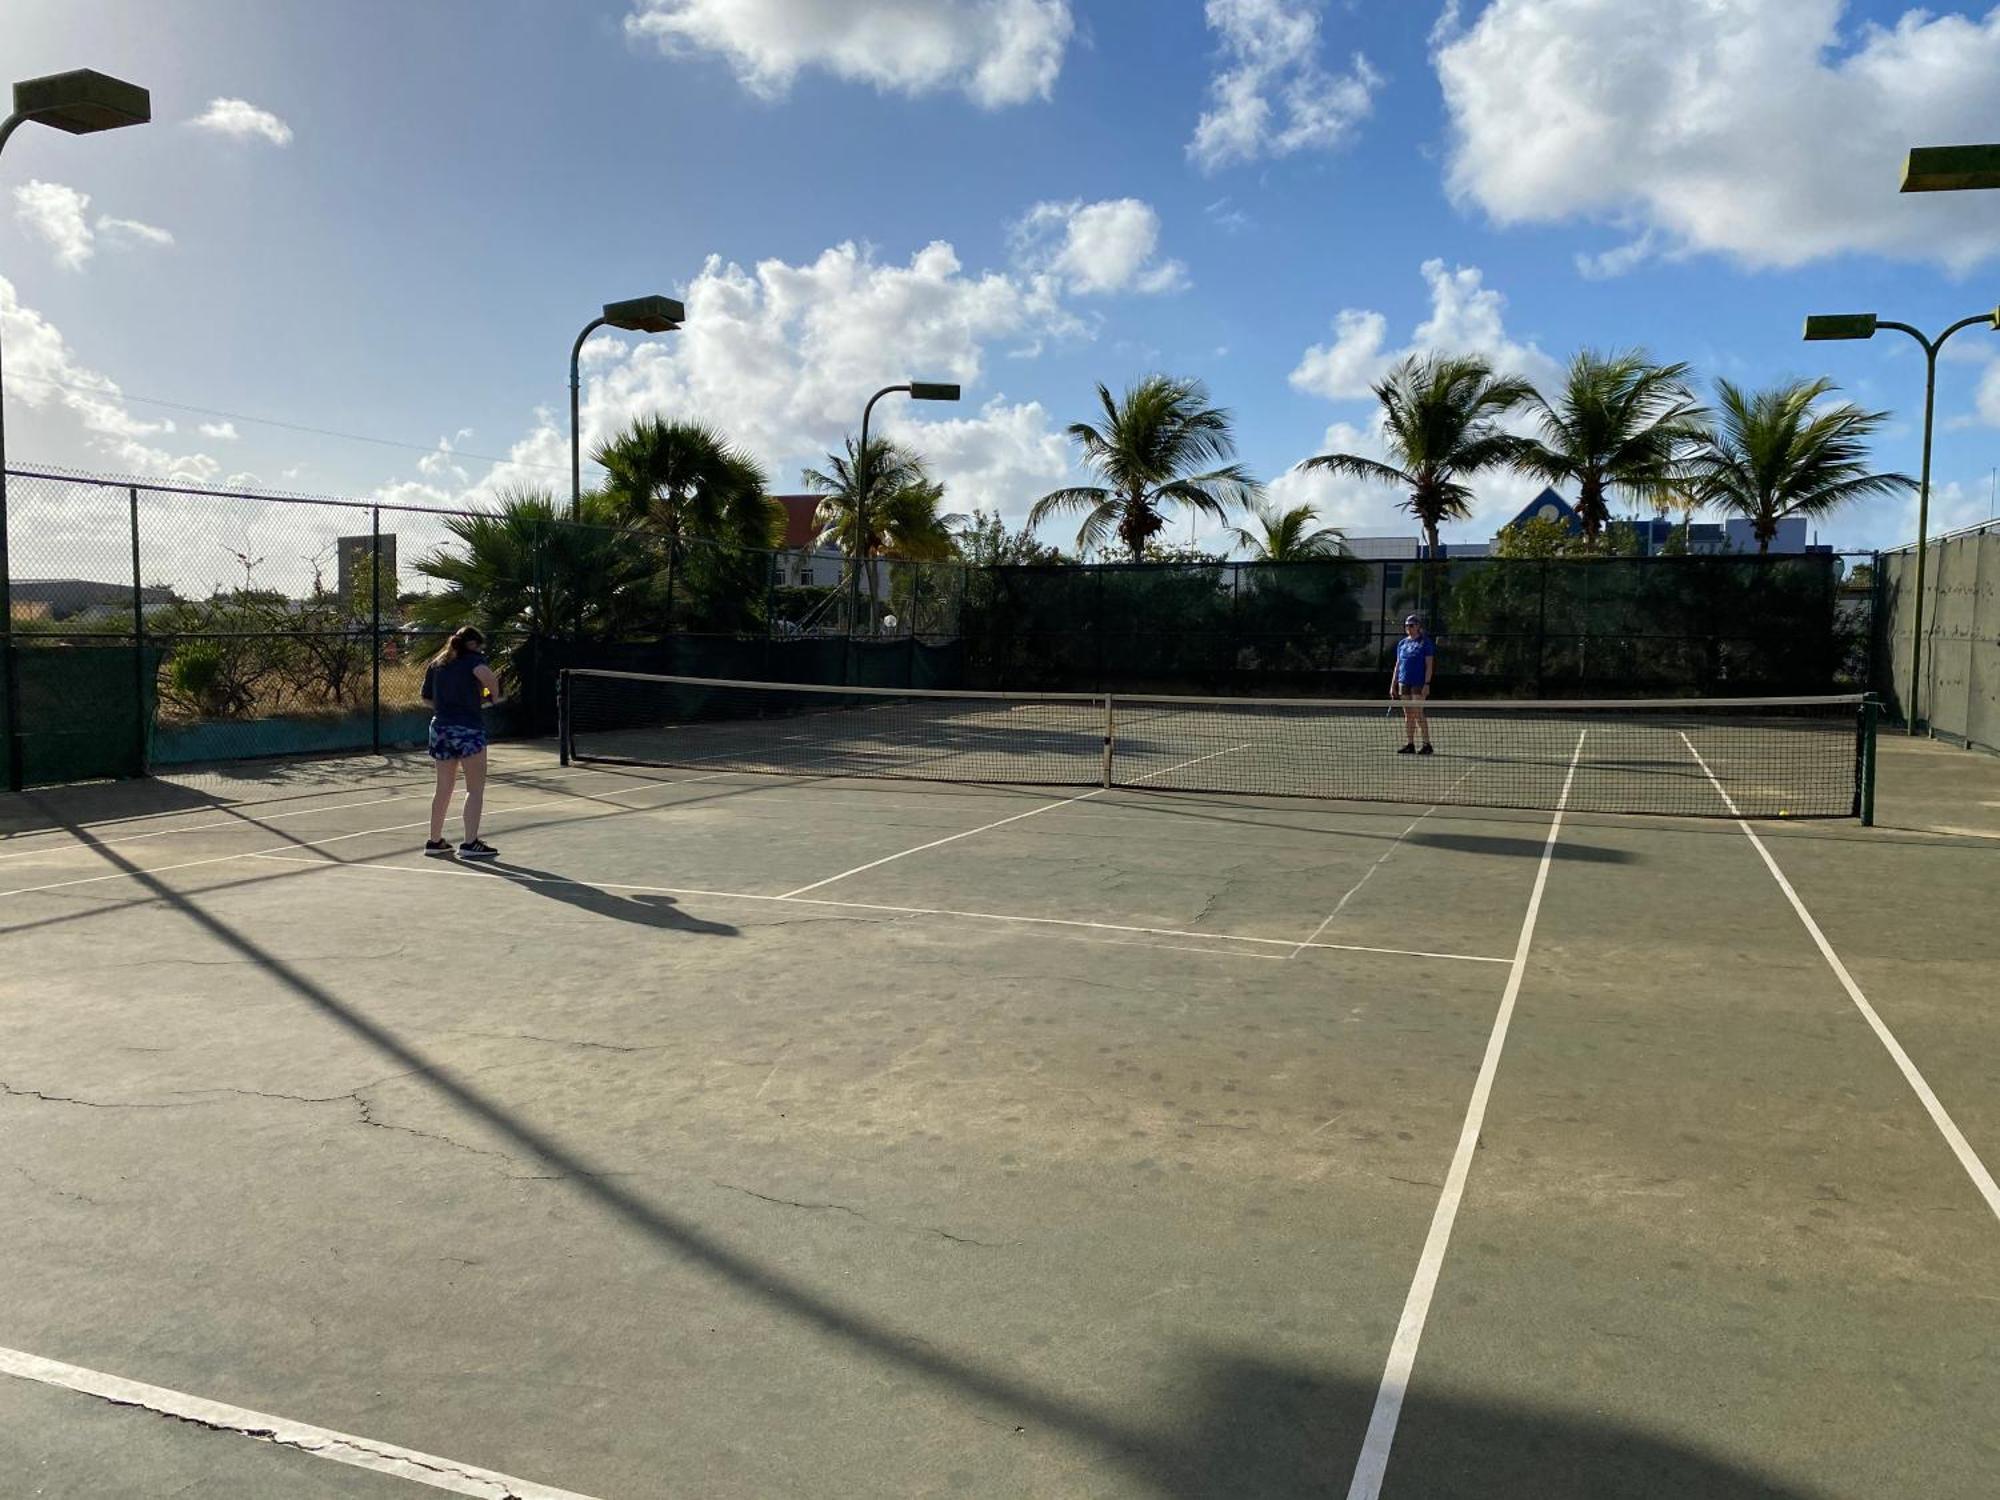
(1274, 96)
(1769, 133)
(222, 432)
(55, 214)
(241, 120)
(66, 412)
(1098, 247)
(1466, 317)
(997, 52)
(58, 215)
(780, 357)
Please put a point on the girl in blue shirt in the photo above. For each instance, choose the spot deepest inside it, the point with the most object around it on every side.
(458, 684)
(1416, 664)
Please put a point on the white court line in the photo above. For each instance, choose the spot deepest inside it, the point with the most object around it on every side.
(514, 877)
(283, 1432)
(1374, 1460)
(1341, 905)
(1002, 822)
(1982, 1179)
(338, 838)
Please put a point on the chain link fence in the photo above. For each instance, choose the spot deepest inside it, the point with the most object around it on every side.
(155, 625)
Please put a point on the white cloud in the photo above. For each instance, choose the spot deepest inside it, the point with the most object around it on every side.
(1761, 131)
(132, 232)
(58, 215)
(998, 52)
(1275, 97)
(55, 213)
(240, 120)
(1098, 247)
(222, 432)
(780, 358)
(1466, 317)
(66, 413)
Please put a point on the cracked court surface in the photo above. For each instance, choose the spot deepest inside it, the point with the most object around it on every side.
(756, 1136)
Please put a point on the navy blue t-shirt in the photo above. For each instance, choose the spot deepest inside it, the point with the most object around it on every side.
(454, 693)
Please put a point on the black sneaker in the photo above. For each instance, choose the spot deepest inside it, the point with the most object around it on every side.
(437, 846)
(1427, 748)
(1407, 750)
(477, 849)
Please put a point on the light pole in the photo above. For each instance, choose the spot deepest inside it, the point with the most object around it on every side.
(1951, 169)
(639, 315)
(1832, 326)
(81, 103)
(919, 390)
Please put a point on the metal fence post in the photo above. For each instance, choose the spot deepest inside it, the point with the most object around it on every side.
(375, 627)
(1871, 714)
(140, 718)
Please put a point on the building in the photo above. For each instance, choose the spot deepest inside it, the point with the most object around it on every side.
(58, 599)
(803, 561)
(1655, 534)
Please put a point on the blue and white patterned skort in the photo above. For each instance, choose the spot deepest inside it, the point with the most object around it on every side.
(455, 741)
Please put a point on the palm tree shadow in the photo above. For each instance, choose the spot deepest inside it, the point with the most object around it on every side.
(645, 908)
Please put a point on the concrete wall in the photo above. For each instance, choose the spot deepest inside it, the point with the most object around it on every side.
(1959, 689)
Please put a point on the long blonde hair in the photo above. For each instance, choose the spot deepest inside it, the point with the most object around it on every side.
(465, 638)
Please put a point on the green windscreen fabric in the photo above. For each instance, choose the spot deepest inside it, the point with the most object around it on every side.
(86, 711)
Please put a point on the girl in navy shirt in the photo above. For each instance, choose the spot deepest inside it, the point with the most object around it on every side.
(458, 684)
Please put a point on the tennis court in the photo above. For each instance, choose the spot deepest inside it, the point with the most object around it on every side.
(803, 1132)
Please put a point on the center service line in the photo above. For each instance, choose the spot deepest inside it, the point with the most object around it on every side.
(1374, 1460)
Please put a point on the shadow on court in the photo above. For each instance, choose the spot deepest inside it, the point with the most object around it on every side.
(1222, 1425)
(646, 908)
(1483, 843)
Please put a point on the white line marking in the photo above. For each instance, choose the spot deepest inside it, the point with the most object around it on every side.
(514, 877)
(338, 838)
(1982, 1179)
(1001, 823)
(1394, 844)
(938, 843)
(302, 1437)
(1374, 1460)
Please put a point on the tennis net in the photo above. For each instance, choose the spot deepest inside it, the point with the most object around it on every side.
(1771, 757)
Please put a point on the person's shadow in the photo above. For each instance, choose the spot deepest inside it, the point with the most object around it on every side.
(647, 908)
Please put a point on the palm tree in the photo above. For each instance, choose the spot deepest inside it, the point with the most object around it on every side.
(883, 503)
(1777, 453)
(523, 571)
(1441, 425)
(1288, 536)
(1145, 451)
(1619, 423)
(683, 481)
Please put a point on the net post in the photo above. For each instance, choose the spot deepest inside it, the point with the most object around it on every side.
(1864, 790)
(562, 717)
(139, 715)
(1110, 734)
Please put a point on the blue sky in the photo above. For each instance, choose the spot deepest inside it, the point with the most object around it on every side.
(404, 213)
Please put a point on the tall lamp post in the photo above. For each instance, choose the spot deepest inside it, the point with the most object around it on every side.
(918, 390)
(639, 315)
(81, 103)
(1862, 326)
